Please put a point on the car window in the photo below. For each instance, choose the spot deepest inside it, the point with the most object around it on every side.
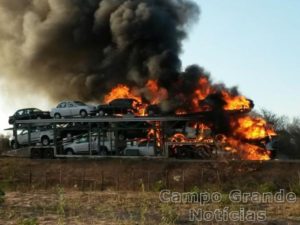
(28, 111)
(37, 110)
(70, 105)
(20, 112)
(79, 103)
(83, 140)
(24, 132)
(62, 105)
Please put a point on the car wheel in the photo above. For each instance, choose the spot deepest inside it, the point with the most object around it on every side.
(45, 141)
(57, 116)
(14, 145)
(103, 151)
(83, 113)
(101, 113)
(121, 137)
(69, 152)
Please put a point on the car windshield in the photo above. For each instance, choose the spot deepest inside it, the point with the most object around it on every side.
(37, 110)
(79, 103)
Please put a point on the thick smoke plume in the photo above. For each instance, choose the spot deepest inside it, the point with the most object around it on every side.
(80, 49)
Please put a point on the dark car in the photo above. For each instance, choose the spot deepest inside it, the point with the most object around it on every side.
(119, 106)
(29, 113)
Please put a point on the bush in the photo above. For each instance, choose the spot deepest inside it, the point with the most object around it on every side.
(2, 195)
(28, 221)
(159, 185)
(4, 143)
(267, 187)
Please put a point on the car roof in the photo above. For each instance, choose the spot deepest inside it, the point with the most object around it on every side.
(66, 101)
(26, 109)
(124, 99)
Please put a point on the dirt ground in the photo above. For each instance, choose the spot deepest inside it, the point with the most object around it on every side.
(116, 191)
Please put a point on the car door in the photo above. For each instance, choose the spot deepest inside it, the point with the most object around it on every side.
(35, 135)
(73, 108)
(27, 114)
(82, 145)
(23, 137)
(143, 147)
(19, 115)
(63, 109)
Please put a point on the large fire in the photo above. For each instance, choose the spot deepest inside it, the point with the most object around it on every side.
(244, 129)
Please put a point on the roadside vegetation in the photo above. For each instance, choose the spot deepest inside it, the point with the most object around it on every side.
(288, 140)
(4, 143)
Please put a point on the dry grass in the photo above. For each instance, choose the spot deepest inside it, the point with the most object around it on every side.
(97, 208)
(48, 192)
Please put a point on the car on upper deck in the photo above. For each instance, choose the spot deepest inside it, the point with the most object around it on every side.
(119, 106)
(72, 109)
(28, 114)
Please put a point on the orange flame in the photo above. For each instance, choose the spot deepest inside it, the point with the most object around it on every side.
(157, 94)
(203, 90)
(122, 91)
(235, 102)
(247, 151)
(243, 128)
(252, 128)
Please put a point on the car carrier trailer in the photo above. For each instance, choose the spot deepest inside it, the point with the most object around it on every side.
(161, 127)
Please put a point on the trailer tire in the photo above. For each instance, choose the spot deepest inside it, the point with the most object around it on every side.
(48, 153)
(14, 145)
(103, 151)
(35, 153)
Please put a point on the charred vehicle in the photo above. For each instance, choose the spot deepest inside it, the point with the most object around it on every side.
(119, 106)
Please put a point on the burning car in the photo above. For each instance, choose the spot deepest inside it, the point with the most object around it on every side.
(119, 106)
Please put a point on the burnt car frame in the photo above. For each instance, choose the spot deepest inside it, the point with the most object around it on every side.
(119, 106)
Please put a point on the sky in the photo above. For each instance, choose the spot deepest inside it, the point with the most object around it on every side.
(254, 45)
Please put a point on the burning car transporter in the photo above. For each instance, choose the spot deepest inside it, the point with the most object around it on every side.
(134, 133)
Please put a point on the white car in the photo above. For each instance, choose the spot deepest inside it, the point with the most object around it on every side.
(81, 146)
(142, 148)
(37, 135)
(71, 109)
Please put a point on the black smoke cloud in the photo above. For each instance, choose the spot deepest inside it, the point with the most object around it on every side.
(80, 49)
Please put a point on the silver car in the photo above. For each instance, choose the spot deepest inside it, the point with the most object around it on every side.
(72, 109)
(37, 135)
(80, 146)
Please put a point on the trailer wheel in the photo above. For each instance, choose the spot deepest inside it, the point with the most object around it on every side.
(103, 151)
(48, 154)
(14, 145)
(45, 141)
(35, 153)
